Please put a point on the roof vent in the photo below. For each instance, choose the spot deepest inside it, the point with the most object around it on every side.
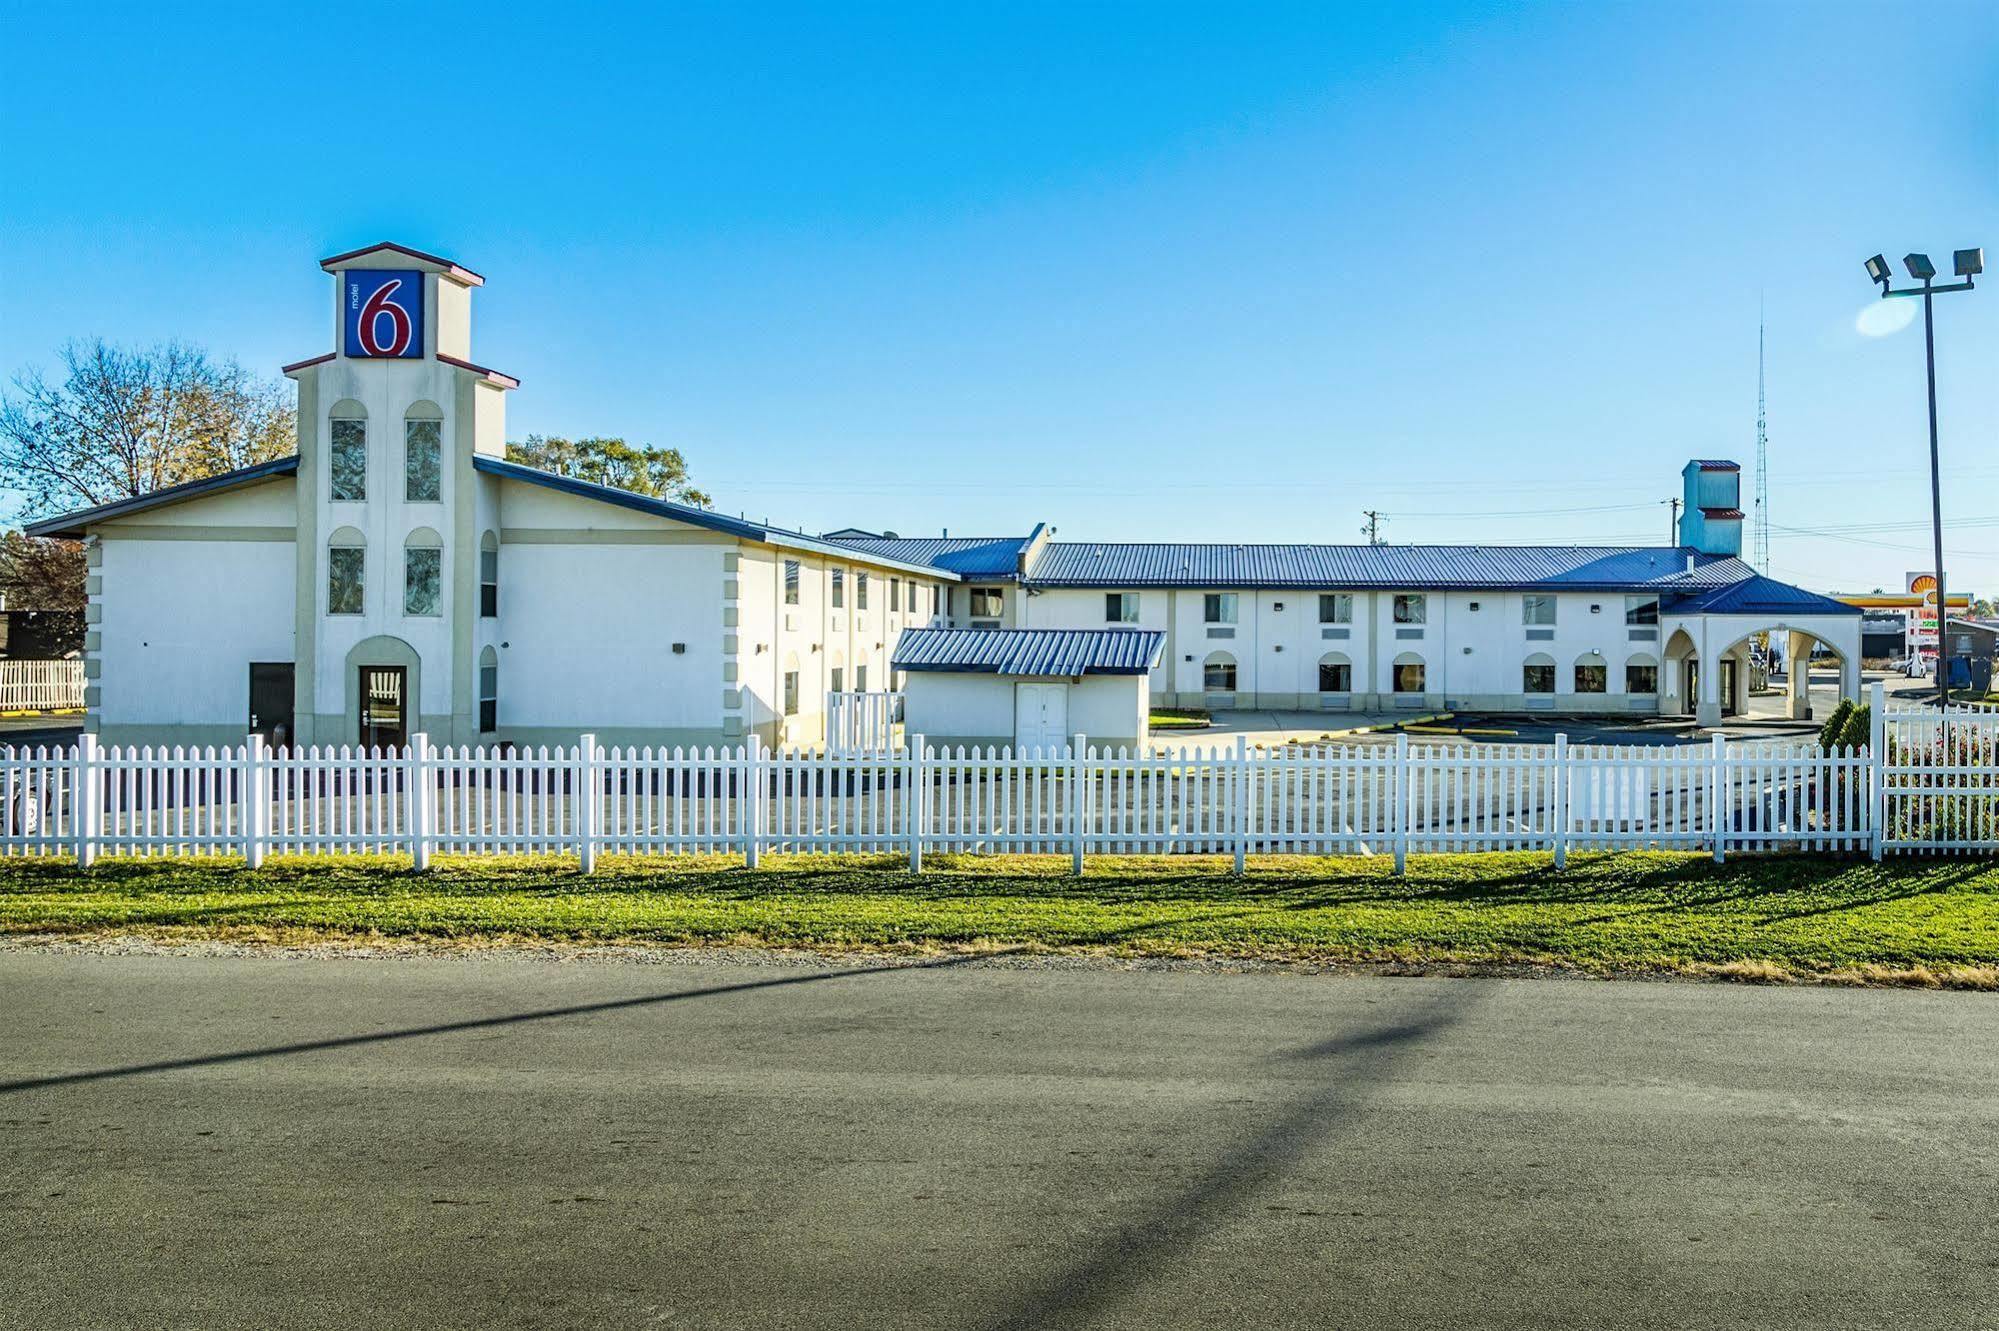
(890, 536)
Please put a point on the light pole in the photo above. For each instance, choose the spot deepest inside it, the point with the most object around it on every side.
(1969, 264)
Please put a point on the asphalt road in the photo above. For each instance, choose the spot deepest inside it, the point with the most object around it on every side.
(509, 1141)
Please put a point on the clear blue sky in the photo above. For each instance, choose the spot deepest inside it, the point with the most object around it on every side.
(1140, 271)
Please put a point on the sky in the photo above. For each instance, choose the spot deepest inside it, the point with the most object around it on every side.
(1143, 272)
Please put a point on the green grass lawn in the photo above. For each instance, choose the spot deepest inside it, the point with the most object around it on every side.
(1170, 718)
(1922, 921)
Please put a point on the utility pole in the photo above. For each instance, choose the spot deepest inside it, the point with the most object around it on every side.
(1762, 459)
(1969, 264)
(1673, 523)
(1373, 528)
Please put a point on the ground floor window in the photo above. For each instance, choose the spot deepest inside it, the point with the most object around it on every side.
(791, 693)
(839, 679)
(1409, 675)
(345, 565)
(860, 679)
(489, 691)
(1335, 677)
(1592, 676)
(423, 580)
(1538, 675)
(1641, 677)
(1218, 674)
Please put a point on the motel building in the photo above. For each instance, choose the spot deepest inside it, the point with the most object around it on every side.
(399, 575)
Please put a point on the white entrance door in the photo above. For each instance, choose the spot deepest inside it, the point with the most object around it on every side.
(1040, 716)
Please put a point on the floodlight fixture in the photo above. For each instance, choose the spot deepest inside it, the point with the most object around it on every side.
(1969, 263)
(1878, 270)
(1919, 266)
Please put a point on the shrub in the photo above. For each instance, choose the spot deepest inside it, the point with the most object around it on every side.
(1835, 725)
(1858, 731)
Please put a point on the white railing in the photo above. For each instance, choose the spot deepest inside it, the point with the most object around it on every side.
(1363, 799)
(40, 686)
(862, 722)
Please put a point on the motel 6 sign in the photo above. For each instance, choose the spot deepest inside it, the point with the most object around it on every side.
(383, 312)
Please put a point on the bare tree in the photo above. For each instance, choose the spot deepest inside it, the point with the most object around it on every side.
(120, 423)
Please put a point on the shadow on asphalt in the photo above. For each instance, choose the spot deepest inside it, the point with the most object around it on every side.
(1119, 1264)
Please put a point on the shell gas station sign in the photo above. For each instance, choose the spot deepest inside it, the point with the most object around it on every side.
(1923, 620)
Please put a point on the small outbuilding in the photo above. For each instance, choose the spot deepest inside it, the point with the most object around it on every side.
(1029, 688)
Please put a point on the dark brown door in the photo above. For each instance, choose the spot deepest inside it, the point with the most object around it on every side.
(1727, 686)
(384, 707)
(271, 701)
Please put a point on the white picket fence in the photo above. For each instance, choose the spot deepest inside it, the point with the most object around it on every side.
(862, 722)
(40, 686)
(1926, 784)
(1366, 799)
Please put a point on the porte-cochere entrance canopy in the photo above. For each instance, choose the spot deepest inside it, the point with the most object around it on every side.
(1708, 636)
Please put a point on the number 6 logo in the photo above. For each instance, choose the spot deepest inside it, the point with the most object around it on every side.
(382, 306)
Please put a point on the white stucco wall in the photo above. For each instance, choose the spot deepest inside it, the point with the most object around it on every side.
(948, 708)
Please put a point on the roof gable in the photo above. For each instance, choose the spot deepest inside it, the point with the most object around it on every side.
(75, 525)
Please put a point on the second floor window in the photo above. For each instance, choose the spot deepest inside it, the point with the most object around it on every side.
(839, 589)
(987, 603)
(1537, 610)
(791, 582)
(1218, 608)
(1641, 609)
(345, 567)
(489, 583)
(860, 591)
(1411, 608)
(1120, 607)
(423, 580)
(1335, 608)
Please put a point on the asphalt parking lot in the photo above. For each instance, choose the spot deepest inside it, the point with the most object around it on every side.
(279, 1141)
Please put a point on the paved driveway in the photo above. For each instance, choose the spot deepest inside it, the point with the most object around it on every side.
(507, 1142)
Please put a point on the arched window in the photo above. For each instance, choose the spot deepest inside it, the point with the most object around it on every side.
(347, 451)
(489, 576)
(1218, 673)
(489, 691)
(423, 453)
(1592, 674)
(1641, 675)
(1335, 673)
(1408, 673)
(423, 573)
(1537, 674)
(346, 572)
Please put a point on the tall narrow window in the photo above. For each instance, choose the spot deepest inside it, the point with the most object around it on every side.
(423, 574)
(1218, 608)
(791, 582)
(346, 567)
(894, 595)
(861, 590)
(791, 693)
(423, 461)
(936, 600)
(838, 679)
(489, 576)
(489, 691)
(1335, 608)
(839, 589)
(861, 678)
(348, 458)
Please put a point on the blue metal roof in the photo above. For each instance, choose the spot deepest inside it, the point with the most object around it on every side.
(698, 517)
(1402, 567)
(992, 557)
(73, 525)
(1757, 595)
(1053, 652)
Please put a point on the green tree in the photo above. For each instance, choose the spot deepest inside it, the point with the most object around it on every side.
(641, 468)
(122, 422)
(1835, 725)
